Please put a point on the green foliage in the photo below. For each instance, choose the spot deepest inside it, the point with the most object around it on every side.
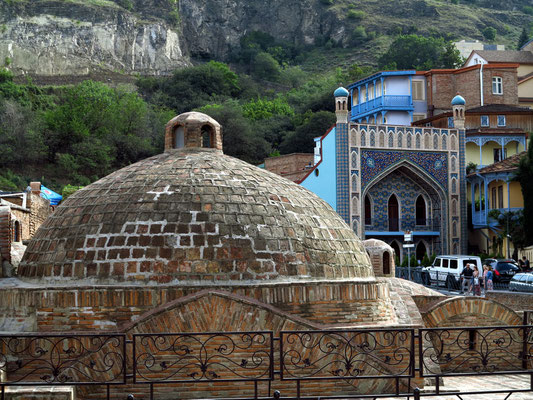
(327, 2)
(471, 167)
(420, 53)
(355, 72)
(358, 36)
(302, 139)
(263, 109)
(356, 15)
(69, 190)
(523, 39)
(528, 10)
(191, 88)
(265, 66)
(489, 33)
(11, 182)
(239, 139)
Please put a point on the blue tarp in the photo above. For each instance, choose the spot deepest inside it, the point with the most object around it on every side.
(51, 195)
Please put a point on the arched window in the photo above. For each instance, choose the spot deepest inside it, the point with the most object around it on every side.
(409, 140)
(435, 142)
(354, 160)
(394, 214)
(421, 216)
(16, 232)
(391, 140)
(386, 263)
(179, 137)
(421, 251)
(208, 139)
(368, 211)
(363, 139)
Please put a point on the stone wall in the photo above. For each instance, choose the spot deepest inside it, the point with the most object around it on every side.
(39, 209)
(5, 235)
(291, 166)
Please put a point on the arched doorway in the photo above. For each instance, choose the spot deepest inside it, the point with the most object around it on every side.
(179, 137)
(421, 251)
(368, 211)
(397, 253)
(208, 139)
(421, 215)
(394, 214)
(386, 263)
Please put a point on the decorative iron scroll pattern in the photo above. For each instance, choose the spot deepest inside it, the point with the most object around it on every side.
(347, 354)
(193, 357)
(476, 351)
(63, 359)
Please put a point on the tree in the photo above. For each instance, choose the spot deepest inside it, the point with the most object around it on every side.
(302, 139)
(420, 53)
(266, 67)
(524, 175)
(523, 39)
(489, 33)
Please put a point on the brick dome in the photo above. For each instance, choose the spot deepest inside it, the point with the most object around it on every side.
(194, 214)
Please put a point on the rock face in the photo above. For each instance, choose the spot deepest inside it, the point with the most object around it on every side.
(74, 39)
(214, 27)
(79, 38)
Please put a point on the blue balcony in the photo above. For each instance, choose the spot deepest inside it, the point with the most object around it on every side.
(481, 219)
(382, 103)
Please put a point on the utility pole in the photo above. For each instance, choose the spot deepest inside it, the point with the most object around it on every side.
(408, 239)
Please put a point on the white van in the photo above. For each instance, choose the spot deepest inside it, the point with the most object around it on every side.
(446, 270)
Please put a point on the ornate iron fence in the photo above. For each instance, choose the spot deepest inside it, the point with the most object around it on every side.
(399, 357)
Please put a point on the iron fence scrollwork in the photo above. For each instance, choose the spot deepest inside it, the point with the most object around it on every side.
(347, 354)
(475, 351)
(65, 359)
(195, 357)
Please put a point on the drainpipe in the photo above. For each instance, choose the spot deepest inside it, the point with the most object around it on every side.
(481, 83)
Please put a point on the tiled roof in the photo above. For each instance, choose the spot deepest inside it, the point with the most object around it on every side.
(523, 57)
(489, 108)
(509, 164)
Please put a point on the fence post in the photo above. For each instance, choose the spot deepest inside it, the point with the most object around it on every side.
(416, 394)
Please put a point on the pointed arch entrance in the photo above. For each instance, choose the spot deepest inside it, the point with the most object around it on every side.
(393, 208)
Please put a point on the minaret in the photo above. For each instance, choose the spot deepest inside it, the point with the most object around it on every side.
(341, 105)
(458, 108)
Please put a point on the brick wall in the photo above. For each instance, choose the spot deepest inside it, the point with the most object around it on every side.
(445, 85)
(291, 166)
(39, 210)
(5, 234)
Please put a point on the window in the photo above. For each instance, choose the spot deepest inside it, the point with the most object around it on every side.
(497, 85)
(418, 90)
(501, 120)
(420, 210)
(450, 122)
(484, 120)
(493, 200)
(453, 264)
(500, 196)
(498, 155)
(368, 211)
(418, 117)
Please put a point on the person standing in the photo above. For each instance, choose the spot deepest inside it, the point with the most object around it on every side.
(487, 278)
(466, 276)
(476, 281)
(525, 264)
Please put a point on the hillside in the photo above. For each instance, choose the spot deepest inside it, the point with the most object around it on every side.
(151, 37)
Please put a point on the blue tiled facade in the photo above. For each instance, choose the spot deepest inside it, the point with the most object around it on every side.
(379, 161)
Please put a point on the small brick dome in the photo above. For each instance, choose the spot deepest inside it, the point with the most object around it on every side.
(194, 214)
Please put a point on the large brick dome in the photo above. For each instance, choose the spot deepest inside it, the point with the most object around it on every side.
(194, 214)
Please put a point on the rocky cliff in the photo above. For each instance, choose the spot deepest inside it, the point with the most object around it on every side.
(66, 38)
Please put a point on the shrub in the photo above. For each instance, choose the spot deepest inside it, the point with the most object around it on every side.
(489, 33)
(528, 10)
(356, 15)
(127, 4)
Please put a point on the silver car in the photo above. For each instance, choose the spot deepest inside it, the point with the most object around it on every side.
(521, 282)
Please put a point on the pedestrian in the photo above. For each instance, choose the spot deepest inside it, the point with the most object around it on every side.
(476, 282)
(525, 264)
(487, 277)
(466, 276)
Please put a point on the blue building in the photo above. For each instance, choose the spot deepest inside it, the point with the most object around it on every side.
(385, 180)
(389, 97)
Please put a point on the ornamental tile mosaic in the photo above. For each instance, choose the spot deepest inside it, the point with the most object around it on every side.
(374, 162)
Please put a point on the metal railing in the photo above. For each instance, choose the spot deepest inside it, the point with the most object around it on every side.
(337, 358)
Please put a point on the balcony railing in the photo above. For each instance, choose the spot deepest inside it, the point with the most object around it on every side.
(481, 218)
(387, 101)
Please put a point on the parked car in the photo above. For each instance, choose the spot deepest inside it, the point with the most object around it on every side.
(446, 270)
(503, 270)
(521, 282)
